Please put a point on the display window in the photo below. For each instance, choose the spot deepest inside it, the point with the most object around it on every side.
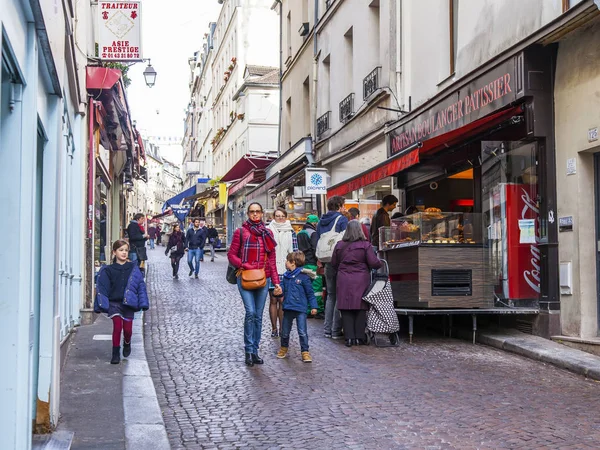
(368, 198)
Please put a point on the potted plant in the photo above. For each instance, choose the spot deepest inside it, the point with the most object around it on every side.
(241, 116)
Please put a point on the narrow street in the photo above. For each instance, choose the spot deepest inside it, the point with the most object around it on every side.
(436, 393)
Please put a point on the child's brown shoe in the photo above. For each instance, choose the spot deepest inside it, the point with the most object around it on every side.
(282, 353)
(306, 357)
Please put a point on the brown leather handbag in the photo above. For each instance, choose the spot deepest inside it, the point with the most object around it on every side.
(254, 279)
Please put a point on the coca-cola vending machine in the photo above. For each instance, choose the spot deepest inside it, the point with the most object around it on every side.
(513, 241)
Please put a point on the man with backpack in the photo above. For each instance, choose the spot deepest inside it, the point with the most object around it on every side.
(330, 231)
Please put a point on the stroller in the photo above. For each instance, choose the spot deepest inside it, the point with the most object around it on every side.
(382, 320)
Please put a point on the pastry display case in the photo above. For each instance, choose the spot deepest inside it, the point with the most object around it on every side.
(436, 260)
(432, 228)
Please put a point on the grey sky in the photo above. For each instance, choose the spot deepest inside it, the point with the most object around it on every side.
(172, 32)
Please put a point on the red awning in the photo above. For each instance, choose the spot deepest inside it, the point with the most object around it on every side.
(244, 166)
(430, 146)
(255, 176)
(101, 77)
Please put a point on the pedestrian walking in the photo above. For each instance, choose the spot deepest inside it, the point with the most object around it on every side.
(137, 239)
(333, 218)
(298, 296)
(176, 249)
(307, 244)
(121, 291)
(382, 218)
(353, 261)
(253, 249)
(287, 242)
(158, 234)
(213, 237)
(195, 239)
(152, 236)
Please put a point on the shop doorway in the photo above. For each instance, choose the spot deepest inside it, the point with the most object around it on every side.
(510, 206)
(597, 201)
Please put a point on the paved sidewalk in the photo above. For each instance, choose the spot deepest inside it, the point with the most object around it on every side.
(543, 350)
(109, 406)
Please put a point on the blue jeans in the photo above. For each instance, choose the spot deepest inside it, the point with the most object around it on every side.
(254, 303)
(133, 256)
(286, 327)
(196, 254)
(151, 243)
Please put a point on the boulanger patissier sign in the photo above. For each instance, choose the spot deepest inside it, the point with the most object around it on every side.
(119, 31)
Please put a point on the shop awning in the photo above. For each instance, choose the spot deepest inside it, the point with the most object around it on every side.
(246, 163)
(179, 198)
(101, 77)
(269, 183)
(207, 193)
(254, 177)
(405, 160)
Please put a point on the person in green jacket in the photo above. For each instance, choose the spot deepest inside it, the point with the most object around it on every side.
(307, 243)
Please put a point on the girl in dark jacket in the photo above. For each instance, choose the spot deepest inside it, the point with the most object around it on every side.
(253, 247)
(176, 247)
(353, 259)
(121, 291)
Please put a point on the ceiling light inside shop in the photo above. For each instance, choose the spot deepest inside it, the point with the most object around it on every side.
(385, 185)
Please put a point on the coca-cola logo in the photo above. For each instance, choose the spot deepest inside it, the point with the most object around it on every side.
(532, 274)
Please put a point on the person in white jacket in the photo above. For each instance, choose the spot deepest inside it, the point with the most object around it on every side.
(287, 242)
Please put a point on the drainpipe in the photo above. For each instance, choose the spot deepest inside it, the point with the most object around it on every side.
(91, 171)
(280, 76)
(315, 83)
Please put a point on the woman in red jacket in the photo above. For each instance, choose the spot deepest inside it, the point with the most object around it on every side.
(253, 247)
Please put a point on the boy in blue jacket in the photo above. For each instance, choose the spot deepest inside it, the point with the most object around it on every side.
(298, 294)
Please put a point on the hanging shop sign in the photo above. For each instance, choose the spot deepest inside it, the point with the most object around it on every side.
(119, 31)
(493, 91)
(316, 181)
(181, 212)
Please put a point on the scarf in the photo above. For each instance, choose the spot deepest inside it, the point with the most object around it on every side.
(284, 236)
(252, 247)
(292, 273)
(177, 240)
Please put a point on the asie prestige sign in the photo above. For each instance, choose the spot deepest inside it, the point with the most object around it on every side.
(119, 31)
(316, 181)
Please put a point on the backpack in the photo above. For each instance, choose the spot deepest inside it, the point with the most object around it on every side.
(327, 242)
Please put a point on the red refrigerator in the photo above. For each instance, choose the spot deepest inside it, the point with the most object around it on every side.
(513, 241)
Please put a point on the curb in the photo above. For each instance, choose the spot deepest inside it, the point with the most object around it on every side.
(144, 425)
(544, 350)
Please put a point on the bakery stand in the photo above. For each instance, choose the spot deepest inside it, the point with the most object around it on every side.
(452, 312)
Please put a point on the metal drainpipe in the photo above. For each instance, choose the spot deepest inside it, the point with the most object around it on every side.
(315, 82)
(280, 76)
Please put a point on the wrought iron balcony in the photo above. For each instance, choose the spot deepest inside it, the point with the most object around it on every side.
(347, 108)
(323, 123)
(371, 82)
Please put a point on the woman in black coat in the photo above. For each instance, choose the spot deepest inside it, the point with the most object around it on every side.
(353, 259)
(176, 248)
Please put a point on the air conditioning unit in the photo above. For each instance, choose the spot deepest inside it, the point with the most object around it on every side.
(304, 29)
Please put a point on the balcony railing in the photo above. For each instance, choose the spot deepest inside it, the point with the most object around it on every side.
(371, 82)
(347, 108)
(323, 123)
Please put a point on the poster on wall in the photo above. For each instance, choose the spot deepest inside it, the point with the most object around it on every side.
(119, 31)
(316, 181)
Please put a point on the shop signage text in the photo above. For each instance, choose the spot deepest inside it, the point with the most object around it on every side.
(475, 101)
(316, 181)
(565, 224)
(120, 28)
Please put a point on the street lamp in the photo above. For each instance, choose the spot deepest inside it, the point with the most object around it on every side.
(150, 75)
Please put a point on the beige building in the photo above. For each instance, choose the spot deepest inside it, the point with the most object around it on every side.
(577, 121)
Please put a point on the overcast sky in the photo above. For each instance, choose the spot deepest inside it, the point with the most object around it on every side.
(172, 32)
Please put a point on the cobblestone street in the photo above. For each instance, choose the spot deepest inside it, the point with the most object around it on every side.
(435, 394)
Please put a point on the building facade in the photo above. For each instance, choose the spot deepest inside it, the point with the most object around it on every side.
(42, 122)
